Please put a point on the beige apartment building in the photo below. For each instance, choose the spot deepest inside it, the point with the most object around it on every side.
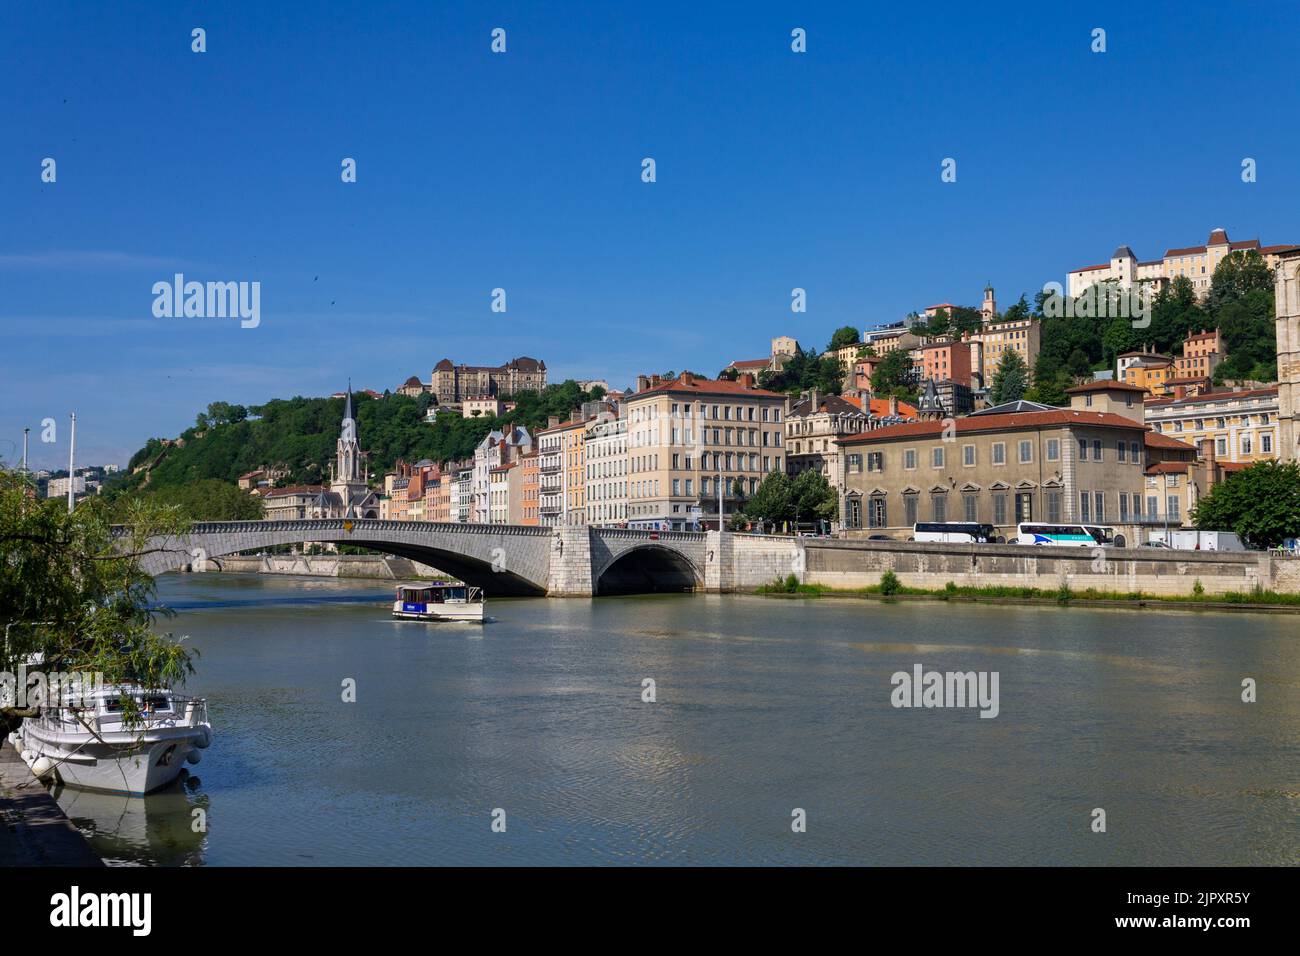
(686, 435)
(1085, 463)
(1242, 426)
(562, 473)
(605, 451)
(813, 422)
(1197, 263)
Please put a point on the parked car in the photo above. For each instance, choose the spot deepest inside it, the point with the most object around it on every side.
(1154, 544)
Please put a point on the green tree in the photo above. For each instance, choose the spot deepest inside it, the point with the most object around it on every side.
(772, 501)
(1010, 379)
(74, 591)
(894, 376)
(845, 335)
(812, 498)
(207, 499)
(1261, 503)
(1236, 276)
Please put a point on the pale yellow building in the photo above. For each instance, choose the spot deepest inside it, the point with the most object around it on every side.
(1196, 263)
(1241, 425)
(686, 435)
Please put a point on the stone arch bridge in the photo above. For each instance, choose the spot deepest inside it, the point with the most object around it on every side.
(502, 559)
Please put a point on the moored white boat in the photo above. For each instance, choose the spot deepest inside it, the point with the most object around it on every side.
(438, 601)
(93, 747)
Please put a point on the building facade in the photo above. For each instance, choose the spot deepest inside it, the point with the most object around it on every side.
(1065, 465)
(1196, 263)
(1241, 426)
(605, 447)
(455, 383)
(690, 437)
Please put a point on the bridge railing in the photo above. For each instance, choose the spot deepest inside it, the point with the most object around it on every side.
(352, 526)
(641, 535)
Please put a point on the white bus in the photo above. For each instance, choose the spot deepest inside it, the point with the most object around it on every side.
(952, 532)
(1069, 535)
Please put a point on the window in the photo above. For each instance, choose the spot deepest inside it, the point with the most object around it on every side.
(853, 512)
(1024, 506)
(1083, 449)
(1171, 503)
(939, 507)
(876, 512)
(1122, 448)
(909, 510)
(968, 455)
(1220, 446)
(999, 453)
(1137, 505)
(1266, 443)
(909, 461)
(1099, 502)
(1133, 453)
(1026, 452)
(855, 464)
(1245, 444)
(876, 461)
(1053, 506)
(936, 459)
(999, 508)
(1085, 511)
(1123, 507)
(1096, 449)
(1054, 450)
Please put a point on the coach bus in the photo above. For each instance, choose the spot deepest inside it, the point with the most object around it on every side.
(1069, 535)
(960, 532)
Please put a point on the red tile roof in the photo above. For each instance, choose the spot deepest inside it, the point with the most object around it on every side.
(996, 423)
(1104, 385)
(1104, 265)
(706, 386)
(1170, 467)
(1157, 440)
(752, 363)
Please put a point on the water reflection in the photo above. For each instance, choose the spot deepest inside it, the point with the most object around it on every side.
(141, 831)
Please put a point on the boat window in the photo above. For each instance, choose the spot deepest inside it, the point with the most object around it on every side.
(157, 703)
(113, 705)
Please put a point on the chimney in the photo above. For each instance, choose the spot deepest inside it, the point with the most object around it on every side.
(654, 380)
(746, 379)
(893, 405)
(812, 400)
(1211, 464)
(552, 421)
(687, 378)
(642, 383)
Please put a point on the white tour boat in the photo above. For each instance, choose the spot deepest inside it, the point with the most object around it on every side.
(438, 601)
(92, 747)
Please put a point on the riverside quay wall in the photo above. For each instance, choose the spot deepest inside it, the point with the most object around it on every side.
(1154, 571)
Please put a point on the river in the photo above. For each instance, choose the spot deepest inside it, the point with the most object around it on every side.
(763, 707)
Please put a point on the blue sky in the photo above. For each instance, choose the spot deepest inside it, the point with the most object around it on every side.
(522, 171)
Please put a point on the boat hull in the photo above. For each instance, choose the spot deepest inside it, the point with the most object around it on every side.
(470, 613)
(135, 767)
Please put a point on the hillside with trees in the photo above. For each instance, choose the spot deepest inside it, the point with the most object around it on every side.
(300, 433)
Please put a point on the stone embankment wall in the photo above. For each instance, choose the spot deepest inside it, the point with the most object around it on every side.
(850, 564)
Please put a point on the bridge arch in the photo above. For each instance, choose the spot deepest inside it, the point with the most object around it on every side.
(647, 568)
(504, 560)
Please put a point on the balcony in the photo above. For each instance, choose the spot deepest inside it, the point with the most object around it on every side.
(552, 482)
(551, 464)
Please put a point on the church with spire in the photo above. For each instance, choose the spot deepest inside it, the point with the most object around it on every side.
(348, 494)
